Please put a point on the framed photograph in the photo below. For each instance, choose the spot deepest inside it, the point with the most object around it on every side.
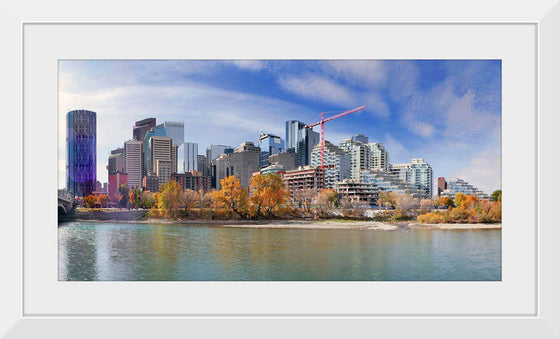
(508, 57)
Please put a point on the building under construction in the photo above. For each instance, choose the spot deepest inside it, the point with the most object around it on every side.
(359, 194)
(305, 178)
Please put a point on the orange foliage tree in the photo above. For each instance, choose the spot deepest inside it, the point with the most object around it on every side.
(269, 195)
(103, 199)
(232, 197)
(90, 200)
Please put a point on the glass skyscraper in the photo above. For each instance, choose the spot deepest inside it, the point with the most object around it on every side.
(176, 131)
(81, 156)
(300, 140)
(270, 145)
(157, 131)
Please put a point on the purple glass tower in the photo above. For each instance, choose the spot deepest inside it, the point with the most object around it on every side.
(81, 144)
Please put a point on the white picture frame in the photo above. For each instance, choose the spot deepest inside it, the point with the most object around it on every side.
(27, 310)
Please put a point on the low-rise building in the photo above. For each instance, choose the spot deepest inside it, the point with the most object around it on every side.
(385, 181)
(359, 194)
(457, 185)
(151, 182)
(305, 178)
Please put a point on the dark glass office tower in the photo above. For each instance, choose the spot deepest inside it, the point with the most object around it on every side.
(142, 127)
(81, 145)
(300, 141)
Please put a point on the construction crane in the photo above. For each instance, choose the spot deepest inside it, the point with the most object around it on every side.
(322, 123)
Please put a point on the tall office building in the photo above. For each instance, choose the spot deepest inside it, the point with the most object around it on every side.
(420, 173)
(300, 140)
(174, 156)
(175, 130)
(81, 156)
(242, 163)
(203, 166)
(133, 162)
(379, 157)
(337, 163)
(157, 131)
(360, 158)
(160, 149)
(141, 127)
(187, 157)
(269, 144)
(116, 161)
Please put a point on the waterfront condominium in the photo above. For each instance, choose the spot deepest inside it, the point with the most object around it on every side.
(81, 156)
(337, 163)
(133, 162)
(379, 157)
(270, 144)
(300, 140)
(360, 157)
(420, 173)
(457, 185)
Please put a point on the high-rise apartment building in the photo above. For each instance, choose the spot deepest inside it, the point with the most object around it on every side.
(269, 144)
(420, 173)
(400, 170)
(141, 127)
(133, 162)
(360, 158)
(379, 157)
(81, 156)
(300, 140)
(361, 138)
(337, 163)
(188, 157)
(176, 131)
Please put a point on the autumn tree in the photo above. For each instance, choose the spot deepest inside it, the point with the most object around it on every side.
(171, 199)
(147, 200)
(103, 199)
(123, 195)
(427, 204)
(459, 199)
(387, 199)
(190, 199)
(232, 196)
(445, 201)
(405, 202)
(268, 195)
(89, 201)
(304, 198)
(497, 195)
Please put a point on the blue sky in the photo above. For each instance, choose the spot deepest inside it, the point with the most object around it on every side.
(445, 111)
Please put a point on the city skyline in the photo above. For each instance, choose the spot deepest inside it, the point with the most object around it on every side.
(446, 112)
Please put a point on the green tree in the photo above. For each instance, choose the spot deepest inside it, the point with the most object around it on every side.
(497, 195)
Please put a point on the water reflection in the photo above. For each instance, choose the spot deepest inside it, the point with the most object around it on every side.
(91, 251)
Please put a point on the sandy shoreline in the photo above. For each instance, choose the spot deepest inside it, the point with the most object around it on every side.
(307, 224)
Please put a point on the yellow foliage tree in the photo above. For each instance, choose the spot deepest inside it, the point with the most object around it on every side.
(232, 196)
(269, 195)
(170, 198)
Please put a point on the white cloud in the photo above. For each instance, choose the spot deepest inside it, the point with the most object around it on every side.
(250, 65)
(483, 171)
(317, 88)
(361, 72)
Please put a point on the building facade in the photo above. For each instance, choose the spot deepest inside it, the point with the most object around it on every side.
(379, 157)
(163, 171)
(81, 148)
(441, 185)
(304, 178)
(157, 131)
(116, 161)
(400, 170)
(161, 148)
(286, 160)
(385, 181)
(151, 182)
(360, 158)
(192, 180)
(359, 194)
(115, 181)
(133, 162)
(269, 144)
(420, 173)
(337, 163)
(242, 163)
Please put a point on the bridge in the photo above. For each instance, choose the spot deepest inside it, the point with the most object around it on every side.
(65, 203)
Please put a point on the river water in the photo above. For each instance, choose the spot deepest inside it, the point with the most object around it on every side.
(129, 251)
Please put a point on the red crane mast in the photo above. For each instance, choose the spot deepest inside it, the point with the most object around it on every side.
(322, 123)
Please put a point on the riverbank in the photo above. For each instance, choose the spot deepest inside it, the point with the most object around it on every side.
(339, 224)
